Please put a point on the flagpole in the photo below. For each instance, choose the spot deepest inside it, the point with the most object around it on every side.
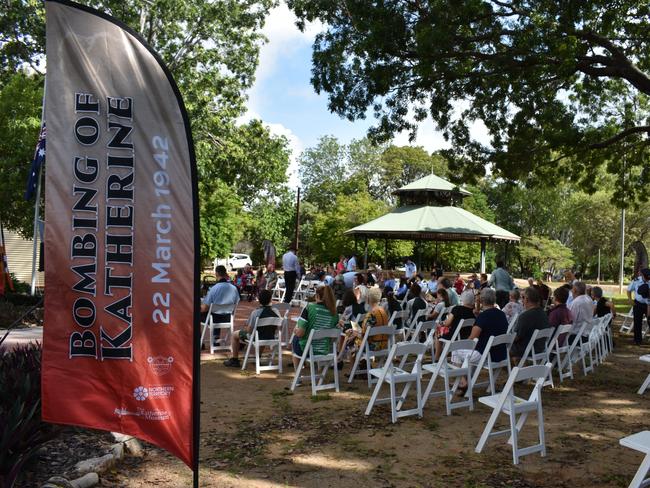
(38, 198)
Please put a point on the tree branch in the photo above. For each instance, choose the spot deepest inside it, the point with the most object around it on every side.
(621, 135)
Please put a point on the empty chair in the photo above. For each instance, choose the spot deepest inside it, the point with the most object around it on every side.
(448, 371)
(275, 344)
(639, 442)
(319, 362)
(279, 290)
(563, 347)
(646, 359)
(493, 368)
(397, 376)
(517, 409)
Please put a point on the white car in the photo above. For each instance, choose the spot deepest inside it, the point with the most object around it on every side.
(234, 261)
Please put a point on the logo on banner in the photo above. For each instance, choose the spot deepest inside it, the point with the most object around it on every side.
(160, 365)
(141, 393)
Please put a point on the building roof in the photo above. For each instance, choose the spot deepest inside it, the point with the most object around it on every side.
(432, 183)
(425, 222)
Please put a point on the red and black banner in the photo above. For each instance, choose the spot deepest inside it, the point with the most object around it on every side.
(121, 237)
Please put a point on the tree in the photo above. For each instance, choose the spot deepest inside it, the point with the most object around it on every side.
(401, 165)
(211, 48)
(541, 254)
(222, 222)
(561, 87)
(20, 122)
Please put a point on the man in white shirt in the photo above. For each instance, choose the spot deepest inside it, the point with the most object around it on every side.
(582, 306)
(223, 296)
(291, 268)
(410, 268)
(352, 263)
(641, 303)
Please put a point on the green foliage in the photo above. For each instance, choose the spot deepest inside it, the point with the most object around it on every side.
(544, 254)
(20, 122)
(23, 432)
(212, 51)
(221, 221)
(563, 91)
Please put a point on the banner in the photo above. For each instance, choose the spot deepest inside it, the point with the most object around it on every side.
(121, 237)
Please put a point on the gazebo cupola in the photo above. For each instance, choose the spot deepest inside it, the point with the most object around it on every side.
(431, 190)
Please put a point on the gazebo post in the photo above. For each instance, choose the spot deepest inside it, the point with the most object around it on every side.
(483, 242)
(365, 252)
(419, 247)
(355, 244)
(385, 253)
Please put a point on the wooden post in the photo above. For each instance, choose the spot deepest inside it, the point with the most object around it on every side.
(365, 252)
(483, 242)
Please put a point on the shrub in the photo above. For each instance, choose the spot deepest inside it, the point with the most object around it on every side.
(21, 429)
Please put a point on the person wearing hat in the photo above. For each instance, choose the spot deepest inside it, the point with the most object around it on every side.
(641, 303)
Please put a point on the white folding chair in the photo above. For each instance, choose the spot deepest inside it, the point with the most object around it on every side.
(646, 359)
(564, 350)
(223, 343)
(586, 347)
(446, 370)
(628, 322)
(517, 409)
(463, 324)
(410, 326)
(283, 310)
(397, 375)
(300, 293)
(319, 364)
(493, 368)
(537, 354)
(400, 315)
(512, 323)
(369, 355)
(255, 342)
(639, 442)
(279, 290)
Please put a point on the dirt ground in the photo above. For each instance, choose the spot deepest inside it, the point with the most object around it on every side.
(255, 433)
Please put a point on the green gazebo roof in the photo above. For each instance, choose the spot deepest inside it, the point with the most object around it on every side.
(425, 222)
(432, 183)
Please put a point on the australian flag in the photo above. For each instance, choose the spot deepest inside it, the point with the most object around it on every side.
(39, 159)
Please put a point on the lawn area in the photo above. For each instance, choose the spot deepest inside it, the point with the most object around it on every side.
(255, 433)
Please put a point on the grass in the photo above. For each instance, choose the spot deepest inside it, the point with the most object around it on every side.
(323, 397)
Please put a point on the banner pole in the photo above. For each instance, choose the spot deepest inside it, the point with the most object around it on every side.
(38, 198)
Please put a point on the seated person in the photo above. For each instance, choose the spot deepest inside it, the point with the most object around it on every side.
(460, 312)
(533, 317)
(560, 313)
(351, 309)
(514, 306)
(441, 303)
(402, 289)
(392, 305)
(544, 290)
(490, 322)
(223, 296)
(318, 315)
(603, 305)
(390, 281)
(271, 277)
(376, 317)
(265, 333)
(338, 287)
(459, 284)
(416, 303)
(360, 287)
(248, 282)
(446, 284)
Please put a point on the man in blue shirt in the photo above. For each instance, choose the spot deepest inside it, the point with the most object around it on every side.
(291, 268)
(641, 303)
(410, 268)
(352, 263)
(223, 296)
(502, 283)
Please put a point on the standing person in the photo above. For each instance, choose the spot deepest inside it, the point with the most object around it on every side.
(641, 302)
(411, 268)
(223, 296)
(502, 283)
(291, 268)
(352, 263)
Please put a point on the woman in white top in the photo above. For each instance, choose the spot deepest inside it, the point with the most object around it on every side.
(360, 288)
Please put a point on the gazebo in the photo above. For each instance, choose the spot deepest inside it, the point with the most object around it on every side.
(427, 211)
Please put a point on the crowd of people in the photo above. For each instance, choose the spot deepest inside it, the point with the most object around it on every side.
(354, 301)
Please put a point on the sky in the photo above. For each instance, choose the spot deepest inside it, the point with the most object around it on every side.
(285, 100)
